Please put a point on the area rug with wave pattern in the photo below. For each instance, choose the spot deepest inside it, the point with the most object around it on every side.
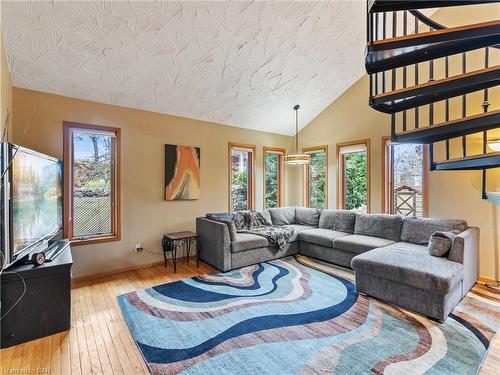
(300, 316)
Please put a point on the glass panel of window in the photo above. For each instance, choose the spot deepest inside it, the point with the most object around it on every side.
(352, 176)
(316, 179)
(405, 174)
(92, 183)
(272, 178)
(355, 181)
(241, 179)
(92, 178)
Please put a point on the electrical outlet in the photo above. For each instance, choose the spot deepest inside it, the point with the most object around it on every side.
(138, 248)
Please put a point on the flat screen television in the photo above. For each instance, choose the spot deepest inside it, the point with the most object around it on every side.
(33, 202)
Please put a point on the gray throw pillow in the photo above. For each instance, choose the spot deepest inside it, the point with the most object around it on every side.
(440, 243)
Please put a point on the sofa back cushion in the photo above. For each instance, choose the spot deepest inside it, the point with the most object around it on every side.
(339, 220)
(419, 230)
(379, 225)
(282, 215)
(266, 216)
(307, 216)
(217, 216)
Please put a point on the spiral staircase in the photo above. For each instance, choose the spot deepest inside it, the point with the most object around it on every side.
(409, 59)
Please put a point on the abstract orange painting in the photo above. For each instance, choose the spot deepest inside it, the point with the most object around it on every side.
(182, 172)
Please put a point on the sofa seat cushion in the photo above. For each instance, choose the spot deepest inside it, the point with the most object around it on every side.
(357, 243)
(296, 230)
(248, 241)
(318, 236)
(410, 266)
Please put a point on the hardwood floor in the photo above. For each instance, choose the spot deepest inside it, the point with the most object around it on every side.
(99, 341)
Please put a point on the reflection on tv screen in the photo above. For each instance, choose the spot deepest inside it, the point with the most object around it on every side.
(36, 198)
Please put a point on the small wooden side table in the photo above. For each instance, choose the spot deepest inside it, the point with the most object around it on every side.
(171, 242)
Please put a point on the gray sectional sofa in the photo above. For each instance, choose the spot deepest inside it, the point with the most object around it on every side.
(387, 252)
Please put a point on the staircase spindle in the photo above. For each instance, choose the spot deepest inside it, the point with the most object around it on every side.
(405, 31)
(377, 27)
(431, 113)
(485, 106)
(464, 105)
(416, 77)
(394, 32)
(447, 106)
(431, 105)
(384, 25)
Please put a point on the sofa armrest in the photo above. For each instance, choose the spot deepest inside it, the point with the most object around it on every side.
(465, 250)
(214, 242)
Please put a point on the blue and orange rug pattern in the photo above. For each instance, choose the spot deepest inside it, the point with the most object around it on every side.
(300, 316)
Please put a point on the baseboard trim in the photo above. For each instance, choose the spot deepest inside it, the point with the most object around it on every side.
(487, 280)
(86, 278)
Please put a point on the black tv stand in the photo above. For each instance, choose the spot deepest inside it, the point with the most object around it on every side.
(46, 305)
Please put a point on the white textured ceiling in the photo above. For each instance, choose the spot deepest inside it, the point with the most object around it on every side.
(238, 63)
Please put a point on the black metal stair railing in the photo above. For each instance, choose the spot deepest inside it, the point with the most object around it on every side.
(395, 94)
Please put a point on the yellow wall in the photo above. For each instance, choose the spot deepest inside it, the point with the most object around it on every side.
(5, 92)
(451, 194)
(145, 215)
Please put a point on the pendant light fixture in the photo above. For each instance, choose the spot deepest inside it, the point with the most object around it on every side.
(494, 144)
(297, 158)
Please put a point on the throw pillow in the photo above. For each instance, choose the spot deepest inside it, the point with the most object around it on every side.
(440, 243)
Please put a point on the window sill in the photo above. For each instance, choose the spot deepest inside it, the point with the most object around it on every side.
(94, 240)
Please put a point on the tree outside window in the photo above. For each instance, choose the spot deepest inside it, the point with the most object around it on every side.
(353, 175)
(92, 185)
(241, 172)
(273, 177)
(355, 180)
(316, 178)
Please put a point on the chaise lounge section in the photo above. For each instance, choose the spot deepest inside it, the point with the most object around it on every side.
(388, 253)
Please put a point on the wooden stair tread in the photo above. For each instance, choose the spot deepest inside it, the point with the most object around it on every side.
(451, 129)
(410, 49)
(435, 36)
(481, 161)
(433, 91)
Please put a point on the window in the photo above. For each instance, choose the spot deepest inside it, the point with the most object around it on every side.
(353, 190)
(405, 178)
(316, 177)
(273, 177)
(241, 176)
(92, 183)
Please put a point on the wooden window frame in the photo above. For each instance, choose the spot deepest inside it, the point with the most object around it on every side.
(251, 175)
(386, 179)
(281, 173)
(68, 127)
(307, 196)
(340, 172)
